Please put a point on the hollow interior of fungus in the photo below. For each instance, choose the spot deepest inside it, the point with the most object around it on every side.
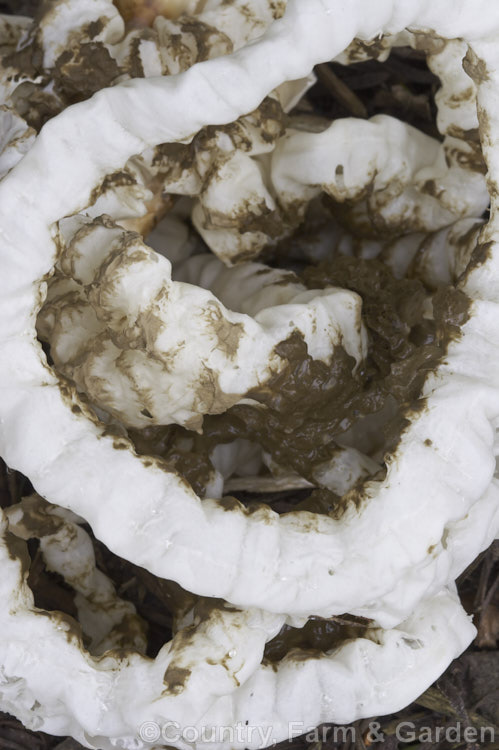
(311, 406)
(309, 411)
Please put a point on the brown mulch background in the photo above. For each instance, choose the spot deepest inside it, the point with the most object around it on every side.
(468, 693)
(19, 7)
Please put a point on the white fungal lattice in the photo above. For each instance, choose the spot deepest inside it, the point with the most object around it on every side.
(146, 346)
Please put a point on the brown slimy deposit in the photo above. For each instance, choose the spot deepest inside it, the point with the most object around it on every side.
(86, 65)
(84, 70)
(317, 635)
(308, 406)
(81, 70)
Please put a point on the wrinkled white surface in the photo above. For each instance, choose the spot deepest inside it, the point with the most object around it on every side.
(67, 549)
(436, 185)
(100, 702)
(155, 351)
(16, 138)
(412, 181)
(246, 288)
(396, 162)
(208, 30)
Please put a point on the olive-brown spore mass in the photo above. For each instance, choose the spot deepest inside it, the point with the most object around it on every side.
(308, 406)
